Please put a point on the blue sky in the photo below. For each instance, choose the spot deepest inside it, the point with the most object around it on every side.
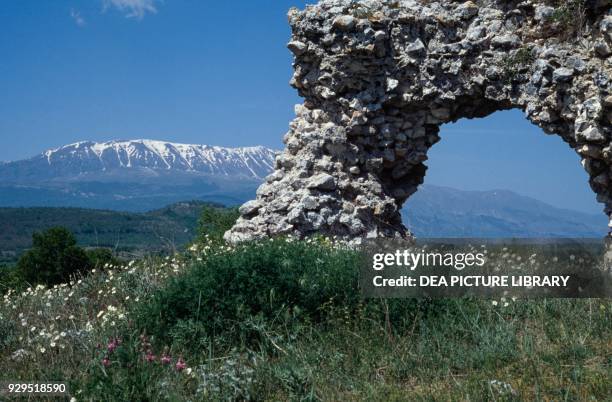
(217, 73)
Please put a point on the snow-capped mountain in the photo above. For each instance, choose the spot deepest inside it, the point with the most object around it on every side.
(92, 159)
(142, 175)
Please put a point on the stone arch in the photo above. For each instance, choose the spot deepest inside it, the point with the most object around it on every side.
(379, 78)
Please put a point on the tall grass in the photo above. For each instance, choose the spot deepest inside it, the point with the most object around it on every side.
(283, 320)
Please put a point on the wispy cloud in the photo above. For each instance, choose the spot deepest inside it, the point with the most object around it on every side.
(132, 8)
(78, 19)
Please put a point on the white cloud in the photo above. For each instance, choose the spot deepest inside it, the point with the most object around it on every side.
(132, 8)
(78, 19)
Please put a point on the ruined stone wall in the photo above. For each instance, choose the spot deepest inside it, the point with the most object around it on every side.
(379, 78)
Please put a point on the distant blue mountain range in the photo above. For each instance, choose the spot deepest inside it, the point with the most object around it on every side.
(141, 175)
(447, 212)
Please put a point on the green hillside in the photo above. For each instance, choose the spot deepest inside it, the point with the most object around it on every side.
(163, 229)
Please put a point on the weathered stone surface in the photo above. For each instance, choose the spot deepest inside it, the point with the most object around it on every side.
(249, 208)
(344, 22)
(562, 74)
(378, 80)
(297, 47)
(543, 13)
(322, 181)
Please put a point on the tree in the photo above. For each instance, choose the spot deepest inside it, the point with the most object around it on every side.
(215, 221)
(53, 258)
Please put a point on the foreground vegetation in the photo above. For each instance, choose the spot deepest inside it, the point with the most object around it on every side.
(283, 320)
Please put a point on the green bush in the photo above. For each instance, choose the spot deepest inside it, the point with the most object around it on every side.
(274, 280)
(215, 221)
(99, 257)
(10, 278)
(53, 258)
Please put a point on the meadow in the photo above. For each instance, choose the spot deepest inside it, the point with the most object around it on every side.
(283, 320)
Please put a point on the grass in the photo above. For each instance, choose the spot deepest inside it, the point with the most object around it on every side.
(282, 320)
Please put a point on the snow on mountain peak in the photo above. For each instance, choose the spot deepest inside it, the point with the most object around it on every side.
(87, 156)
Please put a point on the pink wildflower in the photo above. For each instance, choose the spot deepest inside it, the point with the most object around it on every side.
(166, 359)
(150, 356)
(180, 364)
(106, 362)
(112, 346)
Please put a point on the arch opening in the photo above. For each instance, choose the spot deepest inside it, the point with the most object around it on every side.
(499, 177)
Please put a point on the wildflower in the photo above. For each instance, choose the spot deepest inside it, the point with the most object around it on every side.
(180, 364)
(106, 362)
(165, 359)
(42, 350)
(111, 346)
(494, 302)
(150, 357)
(52, 344)
(19, 355)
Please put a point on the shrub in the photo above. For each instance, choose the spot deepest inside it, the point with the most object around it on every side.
(274, 280)
(99, 257)
(215, 221)
(53, 258)
(10, 278)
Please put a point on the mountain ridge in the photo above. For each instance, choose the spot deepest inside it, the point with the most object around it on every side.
(85, 158)
(142, 175)
(437, 211)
